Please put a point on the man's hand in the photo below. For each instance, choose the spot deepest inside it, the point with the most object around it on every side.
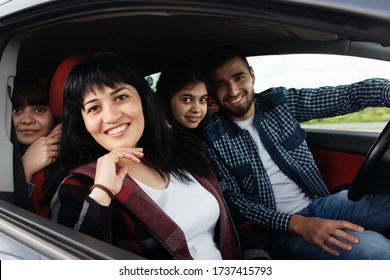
(322, 232)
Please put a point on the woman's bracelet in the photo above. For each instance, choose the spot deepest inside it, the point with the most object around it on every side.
(103, 188)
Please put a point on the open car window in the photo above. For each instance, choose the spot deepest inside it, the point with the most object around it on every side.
(315, 70)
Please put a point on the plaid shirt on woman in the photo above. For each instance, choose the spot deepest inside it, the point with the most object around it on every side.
(278, 114)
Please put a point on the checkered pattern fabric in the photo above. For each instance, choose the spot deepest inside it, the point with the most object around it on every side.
(278, 114)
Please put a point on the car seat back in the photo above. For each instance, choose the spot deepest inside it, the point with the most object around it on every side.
(58, 83)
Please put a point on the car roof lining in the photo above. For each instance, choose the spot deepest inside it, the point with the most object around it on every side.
(148, 37)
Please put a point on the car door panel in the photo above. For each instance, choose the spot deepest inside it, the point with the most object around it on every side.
(339, 154)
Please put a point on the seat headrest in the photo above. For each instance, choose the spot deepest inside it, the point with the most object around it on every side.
(58, 83)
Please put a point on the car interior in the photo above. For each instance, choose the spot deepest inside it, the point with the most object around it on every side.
(153, 39)
(152, 36)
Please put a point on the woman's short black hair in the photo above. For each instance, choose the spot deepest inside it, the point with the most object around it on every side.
(30, 89)
(96, 71)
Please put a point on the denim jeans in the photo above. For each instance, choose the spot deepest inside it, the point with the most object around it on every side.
(371, 212)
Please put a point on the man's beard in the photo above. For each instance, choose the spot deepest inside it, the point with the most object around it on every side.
(240, 111)
(237, 112)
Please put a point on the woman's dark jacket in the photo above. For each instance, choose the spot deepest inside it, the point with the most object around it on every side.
(134, 222)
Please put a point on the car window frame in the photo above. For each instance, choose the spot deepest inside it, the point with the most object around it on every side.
(287, 71)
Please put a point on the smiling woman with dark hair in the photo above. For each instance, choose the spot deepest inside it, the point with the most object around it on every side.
(129, 180)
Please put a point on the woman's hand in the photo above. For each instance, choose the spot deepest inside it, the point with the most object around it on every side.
(322, 232)
(41, 153)
(110, 173)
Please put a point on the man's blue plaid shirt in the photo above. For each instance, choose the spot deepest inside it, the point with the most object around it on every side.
(278, 113)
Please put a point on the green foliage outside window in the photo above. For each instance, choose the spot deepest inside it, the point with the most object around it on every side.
(366, 115)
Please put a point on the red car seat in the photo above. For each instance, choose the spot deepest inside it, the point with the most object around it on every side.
(58, 83)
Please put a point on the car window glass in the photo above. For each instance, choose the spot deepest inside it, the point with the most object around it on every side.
(315, 70)
(152, 80)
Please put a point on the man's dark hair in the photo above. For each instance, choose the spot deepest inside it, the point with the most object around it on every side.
(219, 56)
